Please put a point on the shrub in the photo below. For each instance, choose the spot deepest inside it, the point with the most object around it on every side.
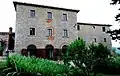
(2, 66)
(87, 57)
(39, 66)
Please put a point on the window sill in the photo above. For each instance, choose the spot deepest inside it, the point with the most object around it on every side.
(65, 37)
(104, 31)
(65, 20)
(31, 35)
(49, 19)
(31, 17)
(49, 36)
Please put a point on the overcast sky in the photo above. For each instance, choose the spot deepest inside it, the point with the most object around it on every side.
(91, 11)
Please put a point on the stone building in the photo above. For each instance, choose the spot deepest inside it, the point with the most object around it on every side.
(94, 33)
(43, 30)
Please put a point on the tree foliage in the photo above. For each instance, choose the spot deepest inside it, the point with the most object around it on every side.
(114, 2)
(115, 34)
(86, 57)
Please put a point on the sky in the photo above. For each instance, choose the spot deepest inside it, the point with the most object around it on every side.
(91, 11)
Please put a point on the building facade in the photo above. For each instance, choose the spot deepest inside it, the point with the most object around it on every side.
(43, 30)
(94, 33)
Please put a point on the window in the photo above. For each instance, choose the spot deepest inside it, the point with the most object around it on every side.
(32, 13)
(103, 29)
(65, 33)
(78, 27)
(95, 40)
(32, 31)
(64, 17)
(94, 27)
(105, 40)
(78, 38)
(49, 15)
(49, 32)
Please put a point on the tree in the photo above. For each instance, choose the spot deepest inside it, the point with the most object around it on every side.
(115, 34)
(86, 57)
(114, 2)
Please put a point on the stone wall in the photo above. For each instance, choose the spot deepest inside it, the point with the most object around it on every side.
(89, 32)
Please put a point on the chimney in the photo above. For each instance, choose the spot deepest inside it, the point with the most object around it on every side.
(10, 30)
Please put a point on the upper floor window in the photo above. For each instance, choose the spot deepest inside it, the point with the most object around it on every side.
(32, 13)
(105, 40)
(49, 15)
(32, 31)
(103, 29)
(95, 40)
(49, 32)
(94, 27)
(78, 27)
(65, 33)
(64, 17)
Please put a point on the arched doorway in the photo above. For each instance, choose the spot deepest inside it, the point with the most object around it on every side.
(64, 49)
(49, 51)
(31, 50)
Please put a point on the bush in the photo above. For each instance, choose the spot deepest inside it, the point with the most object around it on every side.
(2, 66)
(114, 62)
(114, 65)
(110, 67)
(87, 57)
(39, 66)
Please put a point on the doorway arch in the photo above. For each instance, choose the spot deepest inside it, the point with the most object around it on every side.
(49, 51)
(64, 49)
(32, 50)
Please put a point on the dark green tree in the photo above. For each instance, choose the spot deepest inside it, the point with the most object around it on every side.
(86, 57)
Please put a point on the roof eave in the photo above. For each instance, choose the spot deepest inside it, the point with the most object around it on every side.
(44, 6)
(94, 24)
